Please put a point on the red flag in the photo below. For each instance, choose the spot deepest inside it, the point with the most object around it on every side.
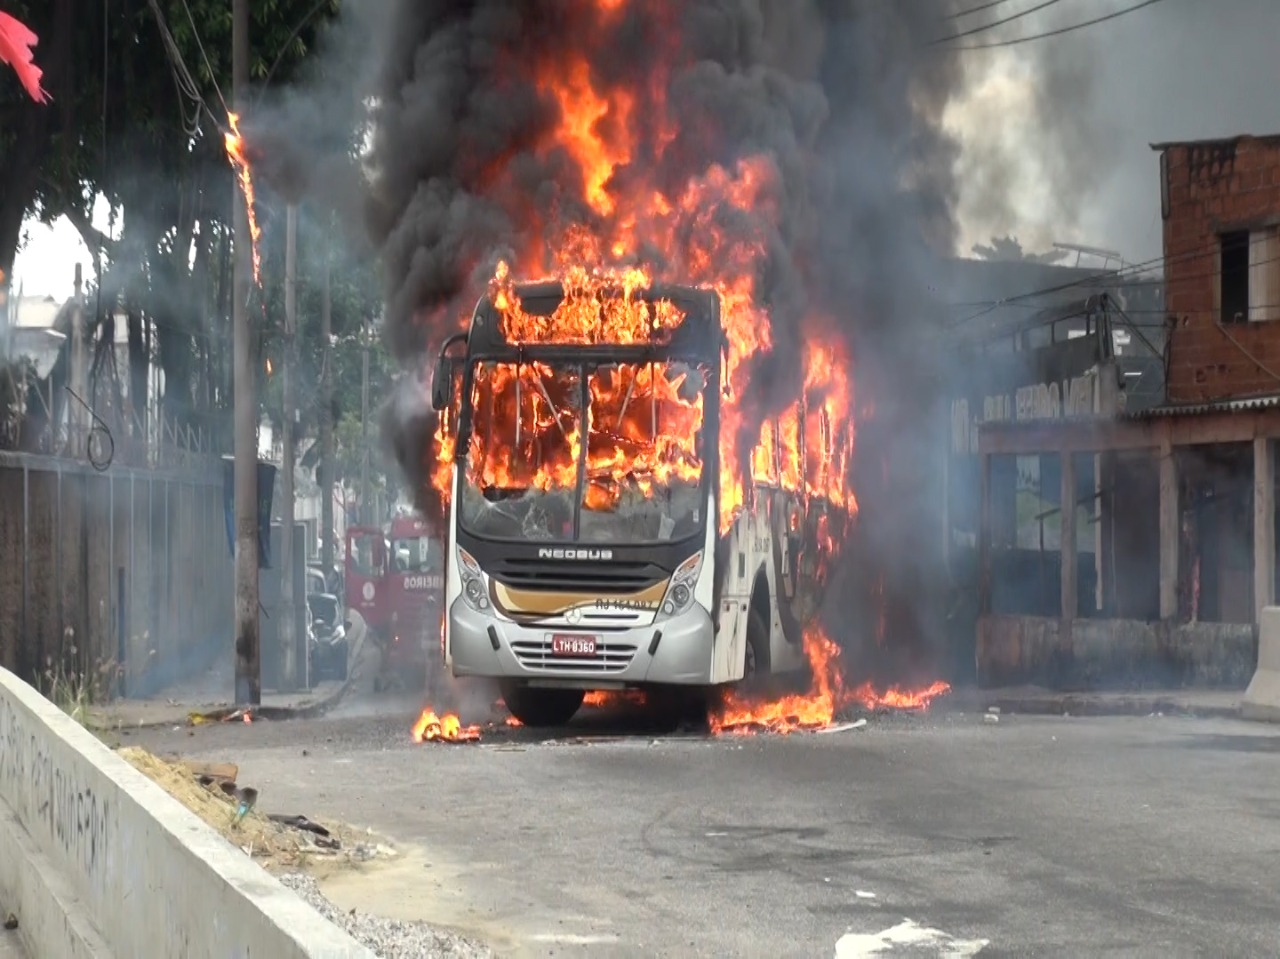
(16, 41)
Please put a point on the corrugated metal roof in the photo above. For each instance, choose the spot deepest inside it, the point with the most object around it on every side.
(1242, 405)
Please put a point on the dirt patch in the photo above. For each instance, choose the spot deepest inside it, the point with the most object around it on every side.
(274, 845)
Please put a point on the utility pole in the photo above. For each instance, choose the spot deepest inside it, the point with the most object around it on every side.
(326, 425)
(248, 651)
(288, 413)
(366, 502)
(77, 416)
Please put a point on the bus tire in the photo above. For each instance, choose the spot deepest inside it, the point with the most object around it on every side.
(755, 671)
(542, 707)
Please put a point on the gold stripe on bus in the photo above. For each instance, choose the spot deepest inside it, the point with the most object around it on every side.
(536, 602)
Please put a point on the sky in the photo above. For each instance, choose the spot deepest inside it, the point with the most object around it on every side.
(1055, 134)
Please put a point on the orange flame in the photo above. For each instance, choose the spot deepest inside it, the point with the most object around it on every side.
(446, 728)
(818, 707)
(711, 230)
(639, 431)
(240, 162)
(612, 698)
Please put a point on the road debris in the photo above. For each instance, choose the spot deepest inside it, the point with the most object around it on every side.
(387, 938)
(443, 729)
(275, 842)
(843, 727)
(246, 799)
(219, 716)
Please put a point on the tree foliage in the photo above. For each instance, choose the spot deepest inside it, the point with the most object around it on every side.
(138, 117)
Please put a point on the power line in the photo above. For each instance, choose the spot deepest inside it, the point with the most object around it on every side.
(977, 9)
(213, 77)
(1052, 33)
(996, 23)
(186, 83)
(1130, 270)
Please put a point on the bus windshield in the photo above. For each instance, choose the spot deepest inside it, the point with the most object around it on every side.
(608, 453)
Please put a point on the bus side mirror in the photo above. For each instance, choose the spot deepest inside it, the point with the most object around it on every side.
(442, 384)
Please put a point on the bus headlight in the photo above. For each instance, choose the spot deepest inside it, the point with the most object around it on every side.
(473, 591)
(680, 593)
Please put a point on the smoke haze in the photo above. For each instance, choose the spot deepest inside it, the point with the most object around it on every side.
(1055, 135)
(841, 104)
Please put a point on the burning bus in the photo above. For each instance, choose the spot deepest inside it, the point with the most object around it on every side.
(601, 535)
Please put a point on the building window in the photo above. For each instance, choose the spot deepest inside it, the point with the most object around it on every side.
(1250, 288)
(1235, 276)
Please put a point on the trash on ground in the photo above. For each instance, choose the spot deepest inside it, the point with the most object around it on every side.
(843, 727)
(299, 822)
(233, 811)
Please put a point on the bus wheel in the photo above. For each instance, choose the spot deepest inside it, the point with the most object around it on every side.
(756, 669)
(542, 707)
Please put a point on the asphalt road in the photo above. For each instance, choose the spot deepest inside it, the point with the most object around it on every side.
(944, 835)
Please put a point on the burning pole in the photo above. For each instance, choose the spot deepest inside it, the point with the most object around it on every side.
(288, 415)
(248, 690)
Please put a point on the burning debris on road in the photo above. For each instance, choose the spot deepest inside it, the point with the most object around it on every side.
(816, 710)
(820, 706)
(445, 729)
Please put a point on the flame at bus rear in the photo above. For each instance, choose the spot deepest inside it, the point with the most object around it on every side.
(818, 707)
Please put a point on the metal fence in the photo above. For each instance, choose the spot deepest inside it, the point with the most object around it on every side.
(100, 435)
(119, 574)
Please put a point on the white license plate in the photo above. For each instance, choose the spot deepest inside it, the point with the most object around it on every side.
(573, 645)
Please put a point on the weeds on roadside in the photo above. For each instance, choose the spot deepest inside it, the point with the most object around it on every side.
(74, 690)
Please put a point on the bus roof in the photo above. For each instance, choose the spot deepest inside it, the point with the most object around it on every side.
(699, 334)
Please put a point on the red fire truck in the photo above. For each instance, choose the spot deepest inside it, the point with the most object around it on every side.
(395, 581)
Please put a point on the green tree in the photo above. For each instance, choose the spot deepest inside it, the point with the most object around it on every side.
(138, 118)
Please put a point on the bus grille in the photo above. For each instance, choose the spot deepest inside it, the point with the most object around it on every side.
(572, 577)
(536, 655)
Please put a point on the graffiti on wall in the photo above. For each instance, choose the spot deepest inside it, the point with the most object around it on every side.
(1074, 396)
(48, 798)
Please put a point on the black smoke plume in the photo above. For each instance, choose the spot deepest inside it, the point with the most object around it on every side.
(839, 102)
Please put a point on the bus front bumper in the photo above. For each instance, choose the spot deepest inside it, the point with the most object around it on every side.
(675, 651)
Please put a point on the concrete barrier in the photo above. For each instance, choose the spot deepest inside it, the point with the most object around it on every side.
(1262, 698)
(96, 860)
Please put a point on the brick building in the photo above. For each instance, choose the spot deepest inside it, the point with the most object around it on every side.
(1178, 498)
(1220, 200)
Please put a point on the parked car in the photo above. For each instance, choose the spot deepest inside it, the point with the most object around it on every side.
(327, 640)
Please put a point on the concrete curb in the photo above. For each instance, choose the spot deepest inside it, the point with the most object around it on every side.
(310, 709)
(99, 860)
(1087, 704)
(1262, 699)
